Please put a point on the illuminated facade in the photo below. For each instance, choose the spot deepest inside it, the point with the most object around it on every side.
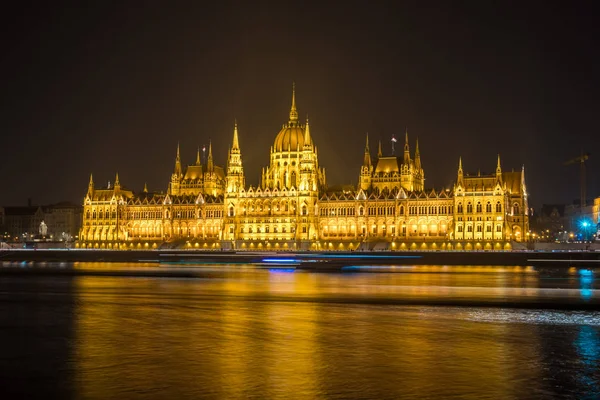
(207, 206)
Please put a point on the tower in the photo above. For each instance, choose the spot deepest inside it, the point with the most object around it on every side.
(460, 178)
(418, 174)
(235, 180)
(498, 172)
(177, 174)
(117, 185)
(407, 169)
(90, 191)
(366, 170)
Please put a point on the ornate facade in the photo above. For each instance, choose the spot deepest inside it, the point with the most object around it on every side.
(210, 207)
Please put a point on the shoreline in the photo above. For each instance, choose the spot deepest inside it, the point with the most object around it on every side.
(316, 261)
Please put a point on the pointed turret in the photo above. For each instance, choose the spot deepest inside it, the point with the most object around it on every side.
(367, 159)
(91, 185)
(406, 149)
(459, 181)
(307, 137)
(117, 185)
(379, 152)
(209, 161)
(177, 170)
(236, 144)
(293, 111)
(417, 157)
(498, 168)
(145, 187)
(198, 161)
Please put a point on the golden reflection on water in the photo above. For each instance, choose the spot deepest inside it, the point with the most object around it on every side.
(232, 336)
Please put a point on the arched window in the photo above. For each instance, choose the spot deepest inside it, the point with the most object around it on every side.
(304, 210)
(460, 228)
(459, 208)
(498, 207)
(100, 214)
(361, 211)
(478, 207)
(87, 214)
(470, 228)
(401, 210)
(516, 209)
(294, 179)
(231, 212)
(488, 207)
(469, 208)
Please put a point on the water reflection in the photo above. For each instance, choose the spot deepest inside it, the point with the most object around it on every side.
(587, 345)
(586, 280)
(247, 333)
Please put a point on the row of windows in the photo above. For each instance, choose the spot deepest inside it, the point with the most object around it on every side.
(265, 229)
(154, 214)
(343, 211)
(389, 210)
(101, 214)
(479, 228)
(430, 210)
(303, 210)
(479, 208)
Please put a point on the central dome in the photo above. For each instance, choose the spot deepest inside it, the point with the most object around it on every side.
(289, 138)
(293, 135)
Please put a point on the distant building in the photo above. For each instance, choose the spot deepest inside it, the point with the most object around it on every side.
(550, 222)
(59, 221)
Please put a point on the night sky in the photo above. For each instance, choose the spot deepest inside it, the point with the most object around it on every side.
(113, 86)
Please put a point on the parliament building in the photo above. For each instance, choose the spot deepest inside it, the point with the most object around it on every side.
(207, 206)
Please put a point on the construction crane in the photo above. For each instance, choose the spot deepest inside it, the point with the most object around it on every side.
(581, 161)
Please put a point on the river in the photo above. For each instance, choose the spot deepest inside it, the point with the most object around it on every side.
(234, 332)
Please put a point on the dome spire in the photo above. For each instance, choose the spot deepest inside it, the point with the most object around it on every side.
(293, 111)
(236, 144)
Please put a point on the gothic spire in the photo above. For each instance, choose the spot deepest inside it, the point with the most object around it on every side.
(117, 184)
(498, 167)
(307, 133)
(367, 159)
(209, 161)
(177, 170)
(198, 162)
(417, 156)
(145, 187)
(236, 144)
(406, 149)
(91, 185)
(293, 111)
(379, 152)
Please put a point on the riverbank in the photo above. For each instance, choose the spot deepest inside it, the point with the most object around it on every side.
(316, 261)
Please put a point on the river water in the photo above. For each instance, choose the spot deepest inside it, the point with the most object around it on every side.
(232, 332)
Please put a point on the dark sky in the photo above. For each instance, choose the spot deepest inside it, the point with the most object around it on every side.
(113, 86)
